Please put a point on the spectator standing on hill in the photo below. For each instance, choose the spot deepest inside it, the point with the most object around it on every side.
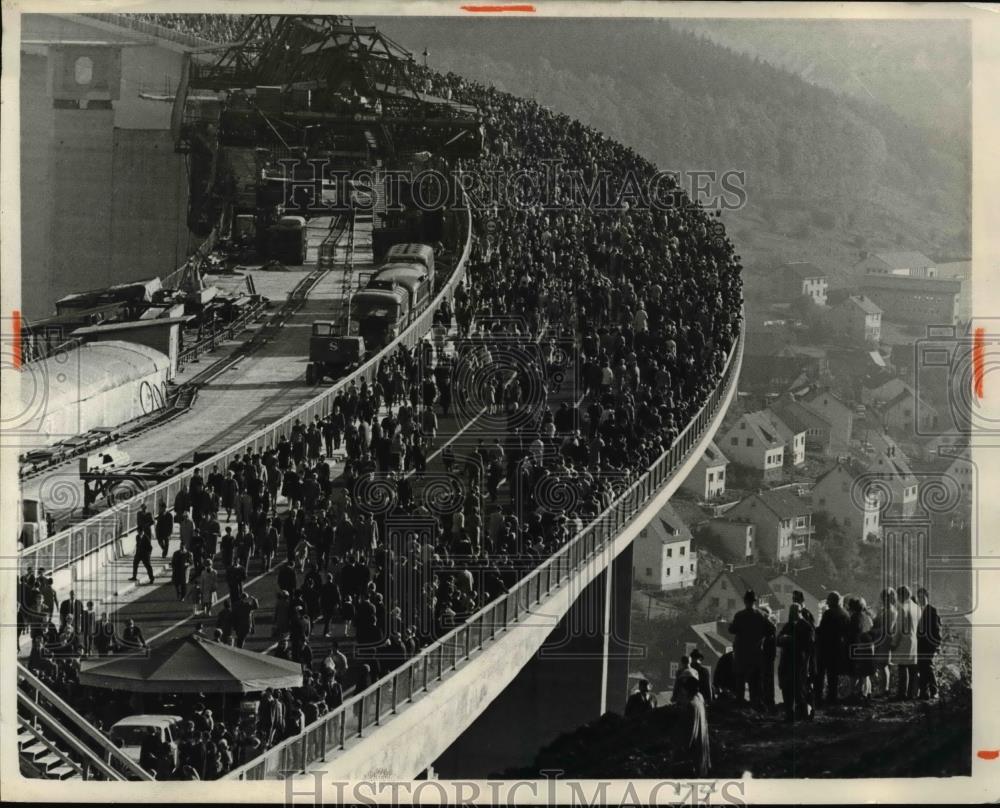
(928, 645)
(749, 627)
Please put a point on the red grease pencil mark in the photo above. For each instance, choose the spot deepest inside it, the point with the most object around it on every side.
(497, 9)
(988, 754)
(15, 320)
(978, 347)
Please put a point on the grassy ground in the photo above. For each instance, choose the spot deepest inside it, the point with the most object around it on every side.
(886, 739)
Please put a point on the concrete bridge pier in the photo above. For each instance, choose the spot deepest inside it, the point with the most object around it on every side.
(579, 673)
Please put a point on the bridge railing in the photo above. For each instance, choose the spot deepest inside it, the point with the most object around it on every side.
(104, 529)
(382, 699)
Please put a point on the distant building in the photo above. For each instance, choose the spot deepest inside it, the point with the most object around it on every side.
(793, 436)
(798, 416)
(961, 472)
(724, 595)
(708, 479)
(960, 270)
(712, 638)
(800, 279)
(732, 539)
(782, 522)
(837, 413)
(662, 556)
(907, 264)
(921, 301)
(893, 472)
(854, 508)
(765, 373)
(908, 414)
(859, 319)
(752, 441)
(882, 389)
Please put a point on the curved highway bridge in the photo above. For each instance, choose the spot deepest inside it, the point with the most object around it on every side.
(552, 649)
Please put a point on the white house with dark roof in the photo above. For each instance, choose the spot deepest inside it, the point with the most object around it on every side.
(859, 319)
(837, 412)
(782, 521)
(724, 595)
(753, 441)
(891, 470)
(907, 263)
(853, 505)
(793, 436)
(661, 554)
(801, 279)
(707, 480)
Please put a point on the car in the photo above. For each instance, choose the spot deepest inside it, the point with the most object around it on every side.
(129, 733)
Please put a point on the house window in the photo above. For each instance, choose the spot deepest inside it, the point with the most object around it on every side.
(683, 550)
(822, 501)
(749, 441)
(667, 573)
(714, 602)
(800, 521)
(711, 476)
(722, 476)
(691, 568)
(649, 571)
(734, 441)
(670, 552)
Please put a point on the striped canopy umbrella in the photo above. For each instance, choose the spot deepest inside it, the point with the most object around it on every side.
(191, 665)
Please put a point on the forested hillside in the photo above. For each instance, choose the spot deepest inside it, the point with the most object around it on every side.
(826, 174)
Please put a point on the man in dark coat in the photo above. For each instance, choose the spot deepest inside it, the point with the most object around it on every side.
(796, 643)
(749, 628)
(143, 554)
(833, 632)
(704, 679)
(640, 702)
(928, 644)
(71, 611)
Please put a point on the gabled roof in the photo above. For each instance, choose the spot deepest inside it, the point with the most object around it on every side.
(761, 427)
(825, 393)
(863, 303)
(784, 503)
(802, 269)
(909, 394)
(810, 580)
(754, 577)
(785, 429)
(797, 415)
(893, 467)
(904, 259)
(851, 467)
(669, 525)
(715, 636)
(713, 456)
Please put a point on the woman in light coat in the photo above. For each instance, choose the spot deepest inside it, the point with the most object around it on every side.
(904, 648)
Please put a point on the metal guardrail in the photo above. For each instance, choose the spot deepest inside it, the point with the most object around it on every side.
(368, 709)
(225, 332)
(97, 751)
(104, 529)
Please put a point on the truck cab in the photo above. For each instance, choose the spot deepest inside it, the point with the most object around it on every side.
(331, 353)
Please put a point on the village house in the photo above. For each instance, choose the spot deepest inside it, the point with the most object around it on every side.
(800, 417)
(891, 469)
(800, 279)
(837, 413)
(707, 480)
(661, 554)
(724, 595)
(782, 522)
(810, 581)
(753, 442)
(731, 539)
(907, 264)
(794, 438)
(858, 319)
(854, 508)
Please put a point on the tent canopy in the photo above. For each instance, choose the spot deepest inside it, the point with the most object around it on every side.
(191, 664)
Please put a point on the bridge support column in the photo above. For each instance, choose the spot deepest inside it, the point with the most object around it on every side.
(579, 673)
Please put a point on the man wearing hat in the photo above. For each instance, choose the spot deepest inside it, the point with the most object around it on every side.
(704, 679)
(749, 628)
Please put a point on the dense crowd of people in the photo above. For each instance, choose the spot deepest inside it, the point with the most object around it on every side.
(649, 299)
